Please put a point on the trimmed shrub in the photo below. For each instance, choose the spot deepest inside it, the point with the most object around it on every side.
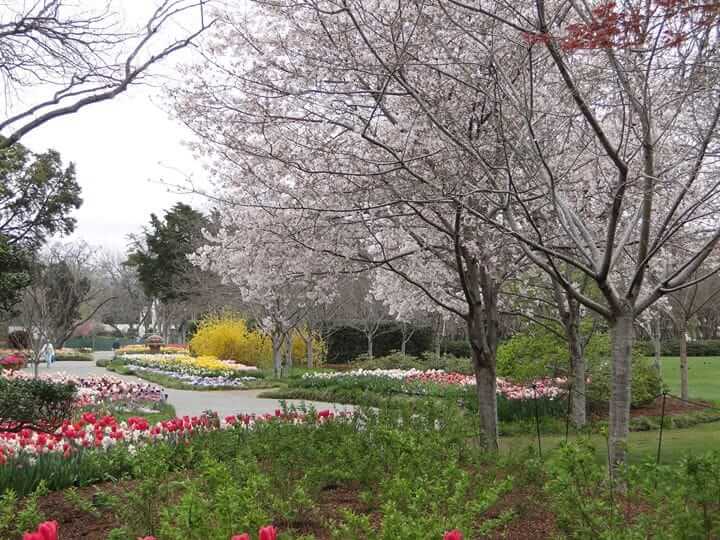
(35, 404)
(707, 347)
(347, 343)
(645, 387)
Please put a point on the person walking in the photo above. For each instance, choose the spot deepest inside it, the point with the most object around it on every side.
(49, 352)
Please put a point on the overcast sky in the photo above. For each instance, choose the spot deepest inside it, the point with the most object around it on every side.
(123, 149)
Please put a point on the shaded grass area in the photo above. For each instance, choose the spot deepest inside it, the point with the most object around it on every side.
(703, 376)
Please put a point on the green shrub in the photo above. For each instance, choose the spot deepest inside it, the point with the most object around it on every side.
(34, 403)
(646, 383)
(457, 347)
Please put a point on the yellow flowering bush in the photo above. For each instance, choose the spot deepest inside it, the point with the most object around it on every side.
(228, 337)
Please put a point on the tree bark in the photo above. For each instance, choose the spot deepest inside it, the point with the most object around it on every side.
(486, 383)
(622, 339)
(577, 365)
(370, 345)
(277, 355)
(657, 344)
(309, 352)
(684, 391)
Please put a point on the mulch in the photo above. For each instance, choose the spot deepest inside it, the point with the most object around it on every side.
(531, 521)
(673, 407)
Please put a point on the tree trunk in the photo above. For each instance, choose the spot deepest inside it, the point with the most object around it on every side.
(622, 339)
(309, 350)
(288, 355)
(370, 345)
(684, 392)
(657, 345)
(486, 385)
(402, 347)
(277, 355)
(577, 365)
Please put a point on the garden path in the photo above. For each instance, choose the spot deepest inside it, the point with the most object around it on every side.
(189, 402)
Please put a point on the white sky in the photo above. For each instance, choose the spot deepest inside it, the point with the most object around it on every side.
(123, 149)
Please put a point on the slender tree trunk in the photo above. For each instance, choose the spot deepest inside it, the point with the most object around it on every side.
(309, 352)
(684, 392)
(370, 345)
(277, 354)
(402, 347)
(577, 365)
(288, 354)
(657, 344)
(622, 340)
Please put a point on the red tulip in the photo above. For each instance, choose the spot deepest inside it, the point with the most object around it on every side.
(453, 535)
(47, 530)
(268, 533)
(244, 536)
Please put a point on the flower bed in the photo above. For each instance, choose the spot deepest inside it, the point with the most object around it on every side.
(219, 381)
(104, 432)
(412, 378)
(96, 391)
(183, 364)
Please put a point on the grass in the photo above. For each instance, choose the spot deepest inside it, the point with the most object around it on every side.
(703, 376)
(643, 445)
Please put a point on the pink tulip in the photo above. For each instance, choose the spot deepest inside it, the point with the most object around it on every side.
(453, 535)
(268, 533)
(147, 538)
(244, 536)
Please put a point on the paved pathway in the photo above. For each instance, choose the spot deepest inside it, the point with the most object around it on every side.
(190, 402)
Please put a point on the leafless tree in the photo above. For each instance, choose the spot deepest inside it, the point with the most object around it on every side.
(80, 56)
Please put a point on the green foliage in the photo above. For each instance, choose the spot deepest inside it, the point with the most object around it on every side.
(37, 196)
(17, 516)
(661, 502)
(34, 403)
(646, 383)
(530, 355)
(161, 259)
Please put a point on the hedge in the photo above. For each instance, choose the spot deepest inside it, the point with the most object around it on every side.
(706, 347)
(347, 343)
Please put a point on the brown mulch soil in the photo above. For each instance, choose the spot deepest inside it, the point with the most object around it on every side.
(673, 407)
(532, 520)
(76, 524)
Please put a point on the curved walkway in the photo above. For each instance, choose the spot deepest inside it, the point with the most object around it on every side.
(191, 402)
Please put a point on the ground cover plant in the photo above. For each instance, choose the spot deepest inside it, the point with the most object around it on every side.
(414, 473)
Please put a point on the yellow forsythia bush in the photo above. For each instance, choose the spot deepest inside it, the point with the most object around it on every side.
(227, 337)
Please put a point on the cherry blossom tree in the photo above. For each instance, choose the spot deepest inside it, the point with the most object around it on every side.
(584, 134)
(277, 280)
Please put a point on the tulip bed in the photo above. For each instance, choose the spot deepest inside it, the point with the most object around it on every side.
(204, 372)
(101, 391)
(375, 387)
(406, 473)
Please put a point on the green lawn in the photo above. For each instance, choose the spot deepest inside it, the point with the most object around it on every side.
(643, 444)
(703, 376)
